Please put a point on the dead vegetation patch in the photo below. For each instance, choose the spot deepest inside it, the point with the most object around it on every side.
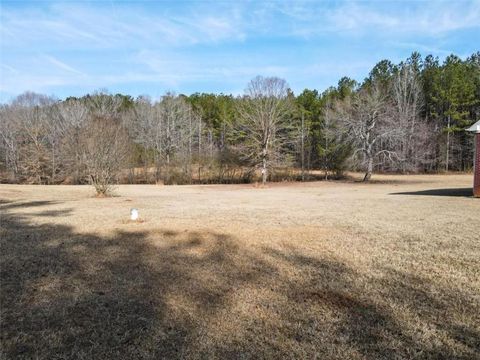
(240, 273)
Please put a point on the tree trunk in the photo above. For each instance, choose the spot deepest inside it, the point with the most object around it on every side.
(167, 176)
(368, 174)
(52, 180)
(264, 167)
(200, 150)
(303, 148)
(325, 159)
(448, 145)
(145, 165)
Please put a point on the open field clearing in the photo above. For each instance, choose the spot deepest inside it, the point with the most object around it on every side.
(328, 270)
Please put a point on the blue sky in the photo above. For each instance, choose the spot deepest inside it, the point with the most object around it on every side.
(67, 48)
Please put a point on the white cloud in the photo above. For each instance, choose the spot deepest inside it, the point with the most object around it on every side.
(175, 69)
(9, 68)
(432, 18)
(82, 26)
(354, 17)
(87, 45)
(61, 65)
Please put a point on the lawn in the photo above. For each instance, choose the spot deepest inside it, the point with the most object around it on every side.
(327, 270)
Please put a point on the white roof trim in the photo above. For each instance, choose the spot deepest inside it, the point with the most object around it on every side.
(474, 128)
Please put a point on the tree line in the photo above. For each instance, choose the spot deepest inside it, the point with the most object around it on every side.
(408, 117)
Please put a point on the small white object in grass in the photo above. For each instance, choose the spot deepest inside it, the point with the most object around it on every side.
(133, 214)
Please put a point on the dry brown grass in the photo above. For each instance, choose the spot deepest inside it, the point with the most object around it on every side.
(329, 270)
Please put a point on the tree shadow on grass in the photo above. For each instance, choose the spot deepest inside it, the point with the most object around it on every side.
(131, 295)
(6, 205)
(170, 294)
(454, 192)
(367, 318)
(54, 213)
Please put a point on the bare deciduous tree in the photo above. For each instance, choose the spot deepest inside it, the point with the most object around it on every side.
(105, 152)
(407, 104)
(264, 111)
(102, 104)
(74, 115)
(146, 130)
(9, 141)
(32, 116)
(167, 129)
(176, 117)
(368, 120)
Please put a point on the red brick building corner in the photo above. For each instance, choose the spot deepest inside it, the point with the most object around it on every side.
(475, 129)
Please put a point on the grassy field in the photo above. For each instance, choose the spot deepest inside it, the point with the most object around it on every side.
(327, 270)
